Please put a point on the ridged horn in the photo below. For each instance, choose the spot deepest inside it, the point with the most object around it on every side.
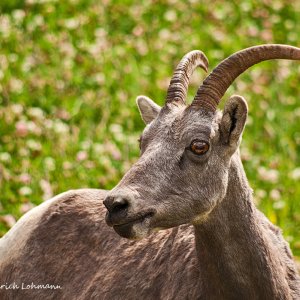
(177, 90)
(216, 84)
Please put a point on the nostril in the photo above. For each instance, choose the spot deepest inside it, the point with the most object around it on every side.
(115, 204)
(119, 204)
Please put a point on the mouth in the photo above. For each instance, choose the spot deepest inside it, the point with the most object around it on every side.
(135, 227)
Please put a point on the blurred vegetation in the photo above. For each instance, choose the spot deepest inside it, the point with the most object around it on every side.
(70, 72)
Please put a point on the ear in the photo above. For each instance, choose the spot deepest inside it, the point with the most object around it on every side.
(148, 109)
(233, 121)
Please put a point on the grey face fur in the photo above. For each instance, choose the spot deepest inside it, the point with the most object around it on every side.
(170, 184)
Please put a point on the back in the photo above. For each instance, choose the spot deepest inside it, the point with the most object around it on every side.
(70, 253)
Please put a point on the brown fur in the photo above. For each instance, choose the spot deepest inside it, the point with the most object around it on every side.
(72, 246)
(215, 243)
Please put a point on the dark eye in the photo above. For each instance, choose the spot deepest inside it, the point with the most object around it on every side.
(199, 147)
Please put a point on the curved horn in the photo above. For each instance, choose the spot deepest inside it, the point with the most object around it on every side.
(215, 85)
(179, 83)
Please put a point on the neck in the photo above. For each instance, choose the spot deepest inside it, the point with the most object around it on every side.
(236, 247)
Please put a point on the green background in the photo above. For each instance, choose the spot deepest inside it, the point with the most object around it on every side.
(70, 72)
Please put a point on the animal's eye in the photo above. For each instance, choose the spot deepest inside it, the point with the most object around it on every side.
(199, 147)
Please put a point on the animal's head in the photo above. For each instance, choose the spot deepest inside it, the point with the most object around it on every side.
(186, 150)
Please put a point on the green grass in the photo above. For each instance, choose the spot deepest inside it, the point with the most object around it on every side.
(70, 72)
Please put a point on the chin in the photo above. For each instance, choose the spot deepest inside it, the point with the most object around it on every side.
(134, 230)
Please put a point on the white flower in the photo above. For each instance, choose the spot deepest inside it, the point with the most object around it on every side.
(5, 26)
(25, 191)
(17, 109)
(60, 127)
(18, 15)
(98, 148)
(35, 112)
(49, 163)
(279, 205)
(5, 157)
(295, 174)
(85, 145)
(275, 195)
(268, 175)
(34, 145)
(72, 23)
(16, 85)
(171, 15)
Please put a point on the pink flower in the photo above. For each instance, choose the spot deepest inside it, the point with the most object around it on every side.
(8, 220)
(81, 155)
(25, 178)
(21, 129)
